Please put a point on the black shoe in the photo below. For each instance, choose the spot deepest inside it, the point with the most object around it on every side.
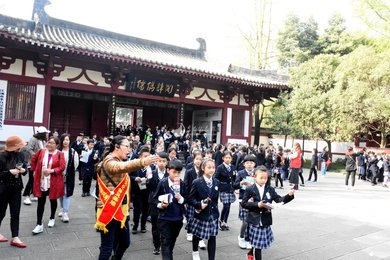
(134, 231)
(87, 194)
(84, 194)
(143, 230)
(156, 251)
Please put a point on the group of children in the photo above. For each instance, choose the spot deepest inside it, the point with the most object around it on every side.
(196, 197)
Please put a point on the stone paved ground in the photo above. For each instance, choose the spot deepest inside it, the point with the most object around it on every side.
(325, 221)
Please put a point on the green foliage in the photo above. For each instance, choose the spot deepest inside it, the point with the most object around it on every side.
(297, 41)
(312, 83)
(376, 14)
(361, 97)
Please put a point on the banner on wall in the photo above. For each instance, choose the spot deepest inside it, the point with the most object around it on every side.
(3, 91)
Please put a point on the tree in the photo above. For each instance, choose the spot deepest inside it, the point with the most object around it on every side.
(312, 83)
(336, 40)
(281, 117)
(297, 41)
(361, 97)
(258, 41)
(376, 14)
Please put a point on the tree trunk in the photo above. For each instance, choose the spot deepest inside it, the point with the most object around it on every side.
(285, 140)
(303, 145)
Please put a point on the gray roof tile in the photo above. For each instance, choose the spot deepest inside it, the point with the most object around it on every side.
(70, 37)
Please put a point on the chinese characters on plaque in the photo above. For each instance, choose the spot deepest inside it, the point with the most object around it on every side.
(151, 86)
(2, 106)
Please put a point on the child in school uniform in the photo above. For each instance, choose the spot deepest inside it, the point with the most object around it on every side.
(140, 193)
(153, 180)
(204, 198)
(257, 200)
(244, 180)
(225, 175)
(190, 175)
(170, 217)
(386, 170)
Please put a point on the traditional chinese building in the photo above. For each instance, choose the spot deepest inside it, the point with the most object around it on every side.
(78, 78)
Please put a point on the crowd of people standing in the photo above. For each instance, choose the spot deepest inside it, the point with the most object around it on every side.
(159, 193)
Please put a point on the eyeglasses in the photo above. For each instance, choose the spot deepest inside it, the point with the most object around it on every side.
(127, 146)
(51, 142)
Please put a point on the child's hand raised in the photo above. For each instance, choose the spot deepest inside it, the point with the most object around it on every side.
(291, 192)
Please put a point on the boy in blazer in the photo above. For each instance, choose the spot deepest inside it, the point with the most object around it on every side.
(170, 216)
(258, 200)
(153, 180)
(140, 193)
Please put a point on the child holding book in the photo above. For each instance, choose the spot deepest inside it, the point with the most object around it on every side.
(170, 197)
(257, 200)
(203, 197)
(244, 179)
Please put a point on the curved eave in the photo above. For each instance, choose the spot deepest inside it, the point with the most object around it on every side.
(229, 79)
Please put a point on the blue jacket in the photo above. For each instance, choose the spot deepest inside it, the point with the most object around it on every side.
(163, 188)
(257, 214)
(226, 178)
(240, 176)
(199, 192)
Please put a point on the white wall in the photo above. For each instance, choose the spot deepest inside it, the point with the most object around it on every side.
(337, 147)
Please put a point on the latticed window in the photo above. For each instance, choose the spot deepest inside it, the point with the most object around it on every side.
(20, 101)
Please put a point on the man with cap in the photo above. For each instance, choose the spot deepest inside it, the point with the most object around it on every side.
(38, 141)
(12, 166)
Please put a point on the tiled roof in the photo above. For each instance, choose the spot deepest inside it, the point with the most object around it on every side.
(79, 39)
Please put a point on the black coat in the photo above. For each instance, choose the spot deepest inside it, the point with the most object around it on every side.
(163, 188)
(226, 178)
(70, 173)
(218, 158)
(8, 161)
(255, 213)
(240, 176)
(151, 185)
(350, 162)
(199, 192)
(189, 176)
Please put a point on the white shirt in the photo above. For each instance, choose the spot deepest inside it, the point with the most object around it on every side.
(170, 184)
(160, 174)
(261, 190)
(208, 180)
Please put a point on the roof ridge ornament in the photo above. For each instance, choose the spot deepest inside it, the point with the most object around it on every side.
(202, 47)
(39, 16)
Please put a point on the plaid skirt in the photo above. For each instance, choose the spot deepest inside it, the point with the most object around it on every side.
(242, 213)
(260, 237)
(227, 197)
(203, 229)
(190, 212)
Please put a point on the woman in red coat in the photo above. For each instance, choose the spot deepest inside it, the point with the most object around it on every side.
(48, 165)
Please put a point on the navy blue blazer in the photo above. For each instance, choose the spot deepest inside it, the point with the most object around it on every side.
(135, 190)
(163, 188)
(199, 192)
(240, 176)
(226, 178)
(255, 213)
(152, 183)
(189, 176)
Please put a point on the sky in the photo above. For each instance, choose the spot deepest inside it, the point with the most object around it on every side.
(179, 22)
